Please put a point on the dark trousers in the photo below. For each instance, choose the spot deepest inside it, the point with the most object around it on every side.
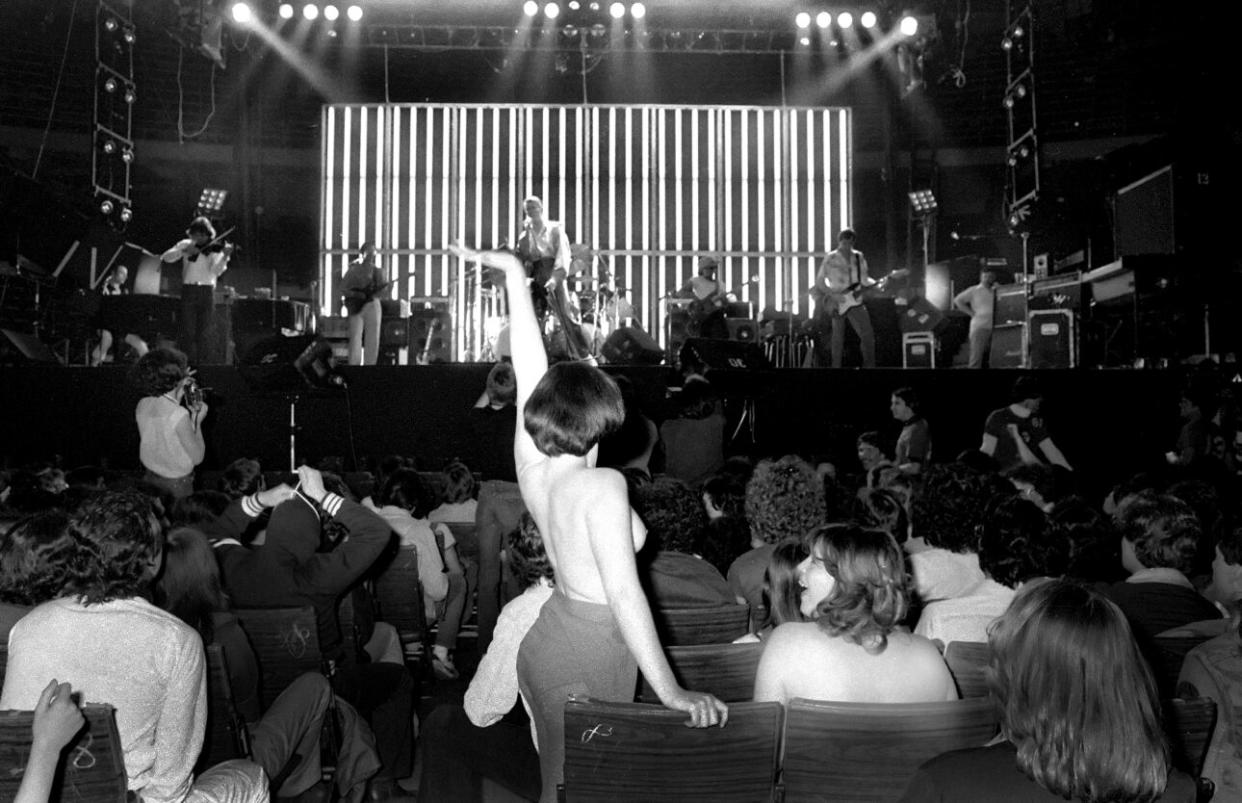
(384, 695)
(197, 309)
(458, 755)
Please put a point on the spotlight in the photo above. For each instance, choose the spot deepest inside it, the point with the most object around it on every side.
(1024, 152)
(130, 95)
(126, 214)
(110, 85)
(1008, 102)
(330, 13)
(1018, 32)
(574, 5)
(110, 24)
(109, 146)
(616, 10)
(805, 41)
(127, 155)
(354, 13)
(802, 20)
(823, 19)
(531, 8)
(1020, 90)
(845, 20)
(129, 36)
(638, 10)
(923, 201)
(552, 11)
(310, 11)
(594, 6)
(241, 13)
(868, 19)
(1012, 160)
(909, 26)
(106, 207)
(286, 11)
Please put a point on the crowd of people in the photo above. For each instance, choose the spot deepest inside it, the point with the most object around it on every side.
(566, 547)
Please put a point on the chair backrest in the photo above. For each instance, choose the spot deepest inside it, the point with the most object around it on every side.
(717, 625)
(725, 670)
(1168, 656)
(630, 751)
(286, 644)
(91, 769)
(869, 751)
(399, 594)
(967, 661)
(1189, 724)
(227, 737)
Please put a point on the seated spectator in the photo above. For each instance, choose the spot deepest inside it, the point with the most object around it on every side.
(463, 744)
(631, 446)
(30, 573)
(405, 502)
(1159, 539)
(854, 649)
(1093, 542)
(727, 535)
(671, 574)
(946, 510)
(1059, 652)
(873, 455)
(884, 510)
(284, 739)
(169, 420)
(784, 500)
(1015, 546)
(104, 638)
(1226, 586)
(243, 477)
(693, 435)
(782, 590)
(460, 503)
(57, 719)
(287, 570)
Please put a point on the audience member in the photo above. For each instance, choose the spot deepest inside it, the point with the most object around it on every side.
(1093, 543)
(242, 477)
(30, 564)
(884, 510)
(460, 504)
(104, 637)
(784, 499)
(57, 719)
(872, 454)
(633, 444)
(782, 586)
(1012, 434)
(169, 420)
(463, 744)
(945, 513)
(671, 574)
(854, 649)
(1080, 718)
(914, 443)
(693, 435)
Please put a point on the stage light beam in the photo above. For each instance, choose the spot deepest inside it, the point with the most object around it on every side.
(823, 19)
(310, 11)
(242, 13)
(909, 26)
(531, 8)
(802, 20)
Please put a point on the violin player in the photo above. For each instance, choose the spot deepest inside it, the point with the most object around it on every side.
(203, 260)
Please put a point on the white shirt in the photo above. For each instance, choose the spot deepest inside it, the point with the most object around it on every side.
(418, 533)
(455, 513)
(965, 618)
(941, 574)
(160, 448)
(494, 687)
(982, 303)
(144, 662)
(203, 269)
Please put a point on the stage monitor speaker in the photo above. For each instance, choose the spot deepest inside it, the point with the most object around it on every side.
(334, 327)
(743, 330)
(1008, 346)
(724, 355)
(30, 347)
(280, 364)
(920, 315)
(1052, 339)
(630, 345)
(431, 336)
(394, 333)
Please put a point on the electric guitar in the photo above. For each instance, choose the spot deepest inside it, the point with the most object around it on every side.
(359, 297)
(842, 301)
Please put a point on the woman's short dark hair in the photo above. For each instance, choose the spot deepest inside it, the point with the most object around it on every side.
(883, 509)
(911, 399)
(159, 371)
(501, 384)
(37, 555)
(528, 560)
(782, 592)
(673, 513)
(727, 492)
(459, 483)
(870, 596)
(124, 539)
(242, 478)
(405, 488)
(784, 499)
(189, 587)
(572, 407)
(1164, 530)
(1076, 696)
(1015, 544)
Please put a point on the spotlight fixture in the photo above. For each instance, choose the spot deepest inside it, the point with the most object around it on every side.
(923, 201)
(210, 201)
(310, 11)
(552, 11)
(110, 24)
(109, 147)
(130, 95)
(868, 20)
(574, 5)
(823, 19)
(638, 10)
(126, 214)
(241, 13)
(106, 207)
(354, 13)
(110, 85)
(1020, 90)
(286, 11)
(1006, 43)
(127, 155)
(129, 36)
(802, 20)
(531, 8)
(845, 20)
(331, 13)
(805, 41)
(1008, 102)
(909, 25)
(616, 10)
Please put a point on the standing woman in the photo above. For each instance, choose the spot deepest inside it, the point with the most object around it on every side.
(596, 631)
(169, 420)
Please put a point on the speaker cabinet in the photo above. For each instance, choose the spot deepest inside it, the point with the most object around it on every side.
(920, 315)
(630, 345)
(743, 330)
(1008, 346)
(724, 355)
(394, 332)
(334, 327)
(431, 336)
(1053, 342)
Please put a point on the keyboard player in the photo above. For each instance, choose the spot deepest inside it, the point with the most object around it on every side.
(108, 322)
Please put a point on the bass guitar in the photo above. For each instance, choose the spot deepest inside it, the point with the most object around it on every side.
(359, 297)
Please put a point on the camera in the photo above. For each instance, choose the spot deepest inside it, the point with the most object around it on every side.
(195, 395)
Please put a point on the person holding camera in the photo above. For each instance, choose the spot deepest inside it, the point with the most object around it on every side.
(170, 417)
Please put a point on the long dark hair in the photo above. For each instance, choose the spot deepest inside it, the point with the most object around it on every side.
(190, 587)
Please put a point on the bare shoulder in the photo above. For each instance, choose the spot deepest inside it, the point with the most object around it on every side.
(794, 638)
(602, 479)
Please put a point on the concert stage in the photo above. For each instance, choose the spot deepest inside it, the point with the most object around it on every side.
(1108, 422)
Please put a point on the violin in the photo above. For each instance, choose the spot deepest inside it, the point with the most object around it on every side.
(216, 246)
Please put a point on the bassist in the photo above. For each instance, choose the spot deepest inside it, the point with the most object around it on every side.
(362, 283)
(707, 308)
(839, 285)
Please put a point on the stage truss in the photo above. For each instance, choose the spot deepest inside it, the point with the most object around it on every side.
(649, 189)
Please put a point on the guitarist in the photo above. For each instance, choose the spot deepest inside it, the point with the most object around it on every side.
(362, 282)
(839, 284)
(707, 310)
(544, 250)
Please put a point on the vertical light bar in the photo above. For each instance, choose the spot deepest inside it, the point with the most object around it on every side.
(762, 222)
(629, 191)
(494, 232)
(446, 176)
(479, 224)
(579, 184)
(346, 176)
(829, 181)
(795, 187)
(694, 182)
(391, 185)
(612, 177)
(515, 195)
(812, 222)
(432, 147)
(595, 164)
(327, 223)
(727, 119)
(661, 267)
(413, 204)
(455, 128)
(360, 213)
(528, 138)
(562, 202)
(644, 227)
(377, 211)
(712, 119)
(545, 169)
(843, 148)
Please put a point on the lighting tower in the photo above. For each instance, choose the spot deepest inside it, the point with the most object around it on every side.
(115, 93)
(1022, 154)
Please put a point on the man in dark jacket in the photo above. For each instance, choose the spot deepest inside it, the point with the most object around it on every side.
(287, 570)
